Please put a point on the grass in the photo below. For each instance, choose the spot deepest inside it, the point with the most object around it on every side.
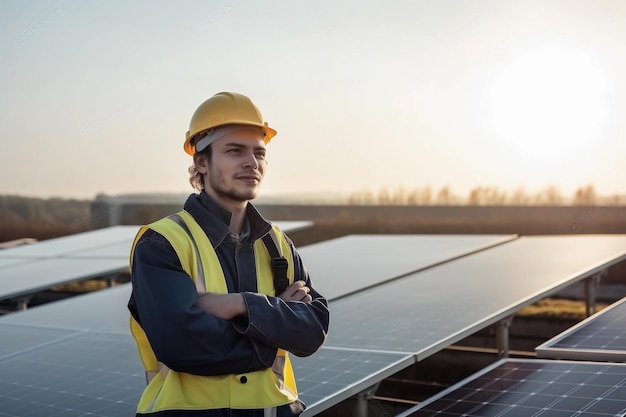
(558, 308)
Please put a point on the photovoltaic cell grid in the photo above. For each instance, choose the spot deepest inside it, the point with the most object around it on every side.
(89, 373)
(533, 387)
(332, 375)
(600, 337)
(16, 339)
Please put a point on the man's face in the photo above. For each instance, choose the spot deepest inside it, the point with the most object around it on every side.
(237, 167)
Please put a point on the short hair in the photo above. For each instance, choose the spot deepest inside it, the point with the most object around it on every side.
(195, 177)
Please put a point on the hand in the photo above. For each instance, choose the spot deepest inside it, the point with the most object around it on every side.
(298, 291)
(224, 306)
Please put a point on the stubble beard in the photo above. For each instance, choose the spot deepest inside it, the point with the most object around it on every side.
(216, 180)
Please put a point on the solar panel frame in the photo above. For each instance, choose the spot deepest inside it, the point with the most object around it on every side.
(600, 337)
(532, 387)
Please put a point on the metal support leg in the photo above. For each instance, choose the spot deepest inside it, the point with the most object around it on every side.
(362, 401)
(22, 302)
(591, 284)
(502, 334)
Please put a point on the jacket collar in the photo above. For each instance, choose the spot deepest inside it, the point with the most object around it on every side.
(215, 220)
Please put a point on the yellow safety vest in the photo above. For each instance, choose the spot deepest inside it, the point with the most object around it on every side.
(171, 390)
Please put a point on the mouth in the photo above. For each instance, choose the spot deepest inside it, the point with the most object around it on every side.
(251, 179)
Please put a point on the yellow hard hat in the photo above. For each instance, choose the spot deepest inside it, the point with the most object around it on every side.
(225, 109)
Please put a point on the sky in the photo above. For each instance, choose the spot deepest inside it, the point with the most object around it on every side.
(96, 96)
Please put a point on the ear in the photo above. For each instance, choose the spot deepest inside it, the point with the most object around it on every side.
(201, 161)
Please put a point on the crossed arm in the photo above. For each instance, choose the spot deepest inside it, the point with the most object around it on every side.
(229, 306)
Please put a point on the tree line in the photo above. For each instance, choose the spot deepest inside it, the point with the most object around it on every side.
(485, 196)
(41, 218)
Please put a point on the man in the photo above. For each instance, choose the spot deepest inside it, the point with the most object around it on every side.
(211, 316)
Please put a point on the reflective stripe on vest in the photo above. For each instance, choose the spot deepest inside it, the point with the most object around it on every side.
(169, 390)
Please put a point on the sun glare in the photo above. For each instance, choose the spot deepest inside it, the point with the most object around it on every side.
(549, 103)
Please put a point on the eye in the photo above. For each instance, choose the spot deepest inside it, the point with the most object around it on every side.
(234, 150)
(260, 154)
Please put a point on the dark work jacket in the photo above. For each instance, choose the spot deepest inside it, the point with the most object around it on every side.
(185, 337)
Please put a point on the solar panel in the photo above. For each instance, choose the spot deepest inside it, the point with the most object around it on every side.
(333, 375)
(430, 310)
(63, 246)
(601, 337)
(342, 266)
(40, 274)
(533, 387)
(89, 373)
(289, 226)
(103, 310)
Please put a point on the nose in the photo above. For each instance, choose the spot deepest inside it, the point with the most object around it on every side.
(251, 161)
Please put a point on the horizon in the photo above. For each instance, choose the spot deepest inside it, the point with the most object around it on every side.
(389, 196)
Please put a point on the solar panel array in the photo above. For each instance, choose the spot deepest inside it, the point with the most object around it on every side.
(533, 387)
(378, 330)
(601, 337)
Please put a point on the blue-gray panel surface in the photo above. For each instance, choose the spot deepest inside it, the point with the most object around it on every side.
(15, 338)
(96, 374)
(533, 387)
(601, 337)
(331, 375)
(289, 226)
(430, 310)
(6, 262)
(66, 245)
(41, 274)
(344, 265)
(104, 310)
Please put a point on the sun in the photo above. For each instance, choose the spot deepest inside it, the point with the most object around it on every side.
(549, 103)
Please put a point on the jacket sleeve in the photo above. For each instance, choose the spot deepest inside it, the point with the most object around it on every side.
(295, 326)
(183, 336)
